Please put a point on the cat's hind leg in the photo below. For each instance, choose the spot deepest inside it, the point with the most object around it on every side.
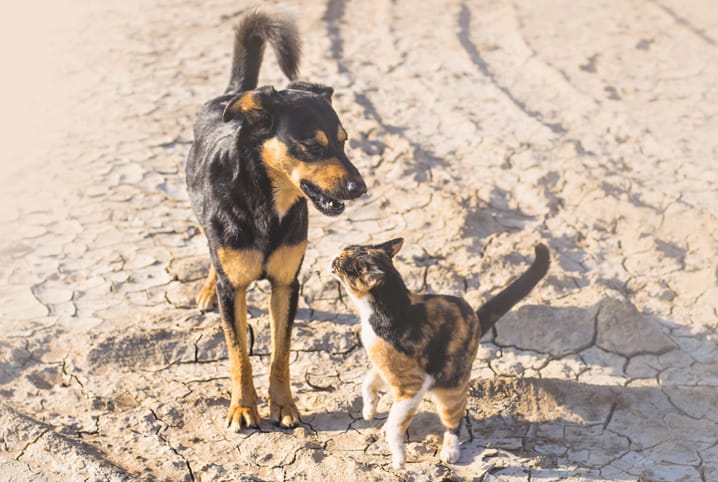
(451, 405)
(402, 411)
(372, 383)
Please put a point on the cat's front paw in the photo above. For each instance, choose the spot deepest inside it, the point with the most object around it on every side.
(369, 409)
(398, 461)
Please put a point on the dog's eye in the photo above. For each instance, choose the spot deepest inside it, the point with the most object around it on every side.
(312, 149)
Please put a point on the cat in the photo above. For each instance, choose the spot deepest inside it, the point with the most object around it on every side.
(419, 344)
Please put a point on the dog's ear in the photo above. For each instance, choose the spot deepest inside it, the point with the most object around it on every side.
(392, 247)
(256, 106)
(323, 90)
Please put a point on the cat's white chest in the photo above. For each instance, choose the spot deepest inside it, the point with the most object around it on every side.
(368, 336)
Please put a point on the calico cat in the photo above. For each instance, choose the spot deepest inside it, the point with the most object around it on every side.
(420, 343)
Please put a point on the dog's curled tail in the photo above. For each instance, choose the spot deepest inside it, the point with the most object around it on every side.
(500, 304)
(251, 35)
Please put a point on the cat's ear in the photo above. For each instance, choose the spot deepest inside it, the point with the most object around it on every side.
(392, 247)
(373, 277)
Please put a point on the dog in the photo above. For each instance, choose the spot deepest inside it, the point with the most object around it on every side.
(258, 155)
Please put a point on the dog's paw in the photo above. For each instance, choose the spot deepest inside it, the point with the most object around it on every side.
(285, 415)
(206, 298)
(239, 417)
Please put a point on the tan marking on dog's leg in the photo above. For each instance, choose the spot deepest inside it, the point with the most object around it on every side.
(241, 266)
(208, 293)
(281, 403)
(283, 264)
(341, 134)
(243, 405)
(282, 267)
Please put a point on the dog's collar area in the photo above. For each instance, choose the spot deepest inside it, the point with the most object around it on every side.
(324, 204)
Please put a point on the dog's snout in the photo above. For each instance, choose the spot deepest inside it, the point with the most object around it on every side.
(356, 188)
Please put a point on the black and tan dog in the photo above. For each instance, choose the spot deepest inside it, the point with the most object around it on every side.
(258, 155)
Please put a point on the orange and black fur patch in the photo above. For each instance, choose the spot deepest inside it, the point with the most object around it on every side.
(420, 343)
(258, 155)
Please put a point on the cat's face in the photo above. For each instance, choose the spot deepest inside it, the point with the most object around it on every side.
(361, 268)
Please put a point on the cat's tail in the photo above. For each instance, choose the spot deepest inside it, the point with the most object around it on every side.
(500, 304)
(256, 29)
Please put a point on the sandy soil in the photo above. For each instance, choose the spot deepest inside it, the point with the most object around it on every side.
(481, 127)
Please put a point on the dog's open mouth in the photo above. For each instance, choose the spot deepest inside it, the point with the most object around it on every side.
(325, 204)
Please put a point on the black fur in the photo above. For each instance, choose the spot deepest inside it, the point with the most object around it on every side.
(500, 304)
(230, 187)
(404, 321)
(253, 32)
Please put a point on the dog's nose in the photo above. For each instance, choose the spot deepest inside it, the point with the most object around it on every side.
(356, 188)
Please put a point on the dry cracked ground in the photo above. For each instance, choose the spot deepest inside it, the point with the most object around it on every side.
(481, 127)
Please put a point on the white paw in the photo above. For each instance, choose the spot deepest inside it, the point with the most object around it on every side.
(397, 462)
(449, 455)
(369, 409)
(450, 448)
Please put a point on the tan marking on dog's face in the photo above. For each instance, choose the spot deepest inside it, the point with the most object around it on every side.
(277, 161)
(321, 138)
(241, 266)
(283, 264)
(341, 134)
(329, 174)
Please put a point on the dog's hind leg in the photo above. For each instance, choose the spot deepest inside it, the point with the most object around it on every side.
(282, 268)
(207, 294)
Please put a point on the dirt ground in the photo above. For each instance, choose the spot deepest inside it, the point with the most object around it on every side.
(481, 128)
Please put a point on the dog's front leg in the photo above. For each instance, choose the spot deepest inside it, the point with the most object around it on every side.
(233, 308)
(283, 308)
(282, 268)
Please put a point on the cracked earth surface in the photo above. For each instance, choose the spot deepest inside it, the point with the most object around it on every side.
(481, 128)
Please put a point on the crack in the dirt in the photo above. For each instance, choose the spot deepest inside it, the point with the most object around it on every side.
(169, 445)
(32, 442)
(700, 33)
(609, 417)
(472, 51)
